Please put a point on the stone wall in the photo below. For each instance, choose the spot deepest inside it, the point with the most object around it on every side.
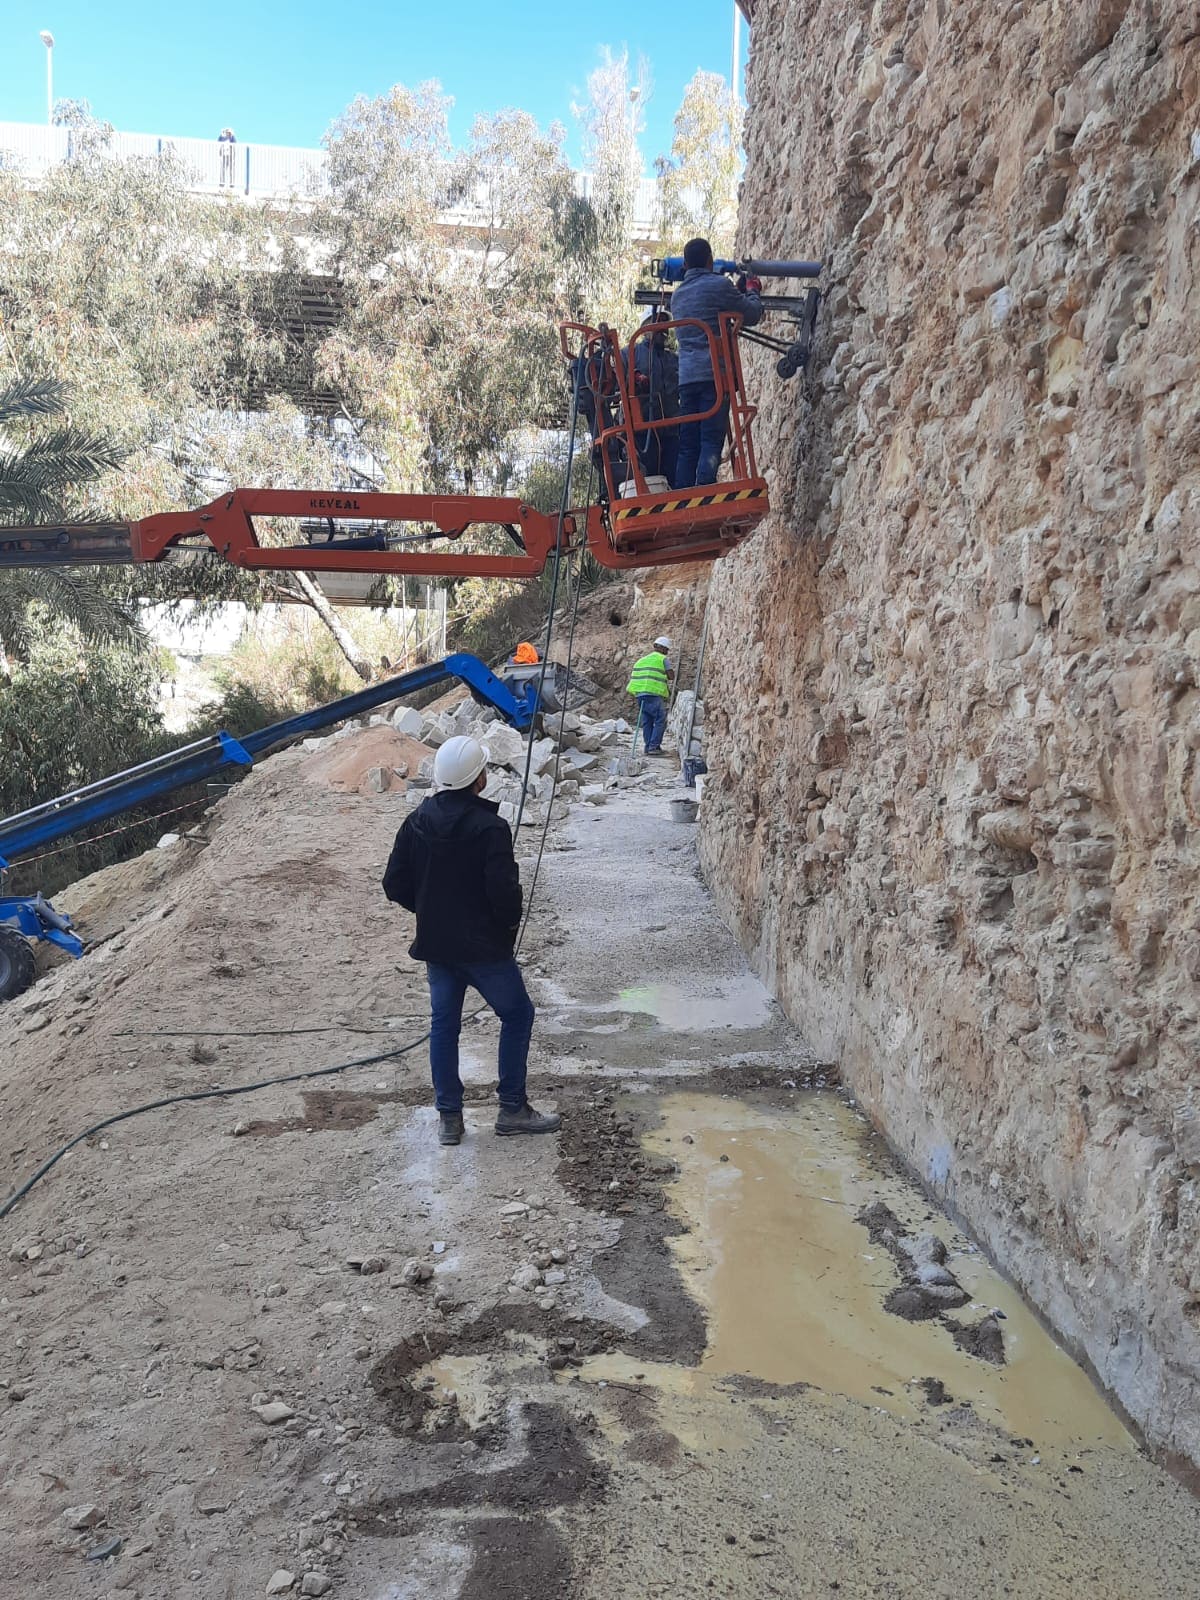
(952, 686)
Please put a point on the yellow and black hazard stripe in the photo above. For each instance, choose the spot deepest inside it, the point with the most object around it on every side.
(723, 497)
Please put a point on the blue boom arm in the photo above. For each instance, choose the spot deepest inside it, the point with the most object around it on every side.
(194, 763)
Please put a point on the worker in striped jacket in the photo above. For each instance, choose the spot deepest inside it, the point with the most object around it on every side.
(650, 684)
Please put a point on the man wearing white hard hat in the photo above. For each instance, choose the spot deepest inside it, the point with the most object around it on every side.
(650, 684)
(453, 865)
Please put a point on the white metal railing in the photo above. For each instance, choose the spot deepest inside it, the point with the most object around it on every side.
(258, 171)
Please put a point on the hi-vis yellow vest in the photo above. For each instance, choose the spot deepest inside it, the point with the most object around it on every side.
(650, 676)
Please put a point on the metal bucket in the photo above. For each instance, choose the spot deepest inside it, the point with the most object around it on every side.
(684, 810)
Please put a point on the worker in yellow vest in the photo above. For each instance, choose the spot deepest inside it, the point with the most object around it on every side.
(651, 685)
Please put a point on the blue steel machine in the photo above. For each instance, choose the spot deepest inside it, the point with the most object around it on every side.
(28, 918)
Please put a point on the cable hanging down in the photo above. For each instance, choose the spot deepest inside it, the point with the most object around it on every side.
(195, 1096)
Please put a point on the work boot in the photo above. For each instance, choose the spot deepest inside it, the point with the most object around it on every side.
(526, 1120)
(450, 1127)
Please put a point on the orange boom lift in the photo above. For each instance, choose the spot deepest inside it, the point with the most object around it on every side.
(630, 523)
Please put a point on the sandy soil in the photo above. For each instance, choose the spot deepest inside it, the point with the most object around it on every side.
(376, 760)
(696, 1391)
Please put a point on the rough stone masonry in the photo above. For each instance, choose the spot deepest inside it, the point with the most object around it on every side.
(953, 694)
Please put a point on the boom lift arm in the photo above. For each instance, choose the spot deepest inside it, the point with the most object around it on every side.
(226, 527)
(383, 533)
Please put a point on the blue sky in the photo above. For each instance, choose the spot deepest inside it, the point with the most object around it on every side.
(278, 72)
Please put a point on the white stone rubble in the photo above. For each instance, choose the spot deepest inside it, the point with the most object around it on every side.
(563, 765)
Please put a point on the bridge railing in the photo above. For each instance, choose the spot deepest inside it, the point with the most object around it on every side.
(258, 171)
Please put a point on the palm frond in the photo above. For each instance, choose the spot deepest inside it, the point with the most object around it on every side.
(98, 617)
(32, 477)
(32, 397)
(37, 475)
(67, 454)
(24, 498)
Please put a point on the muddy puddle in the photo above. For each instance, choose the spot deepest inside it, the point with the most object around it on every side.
(793, 1289)
(739, 1002)
(737, 1007)
(468, 1378)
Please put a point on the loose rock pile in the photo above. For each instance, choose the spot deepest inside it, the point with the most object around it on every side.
(573, 746)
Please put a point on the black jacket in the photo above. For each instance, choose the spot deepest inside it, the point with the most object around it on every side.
(453, 864)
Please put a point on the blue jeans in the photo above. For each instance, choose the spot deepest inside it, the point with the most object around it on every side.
(657, 448)
(652, 714)
(700, 443)
(502, 986)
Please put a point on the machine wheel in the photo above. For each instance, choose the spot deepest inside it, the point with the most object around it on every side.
(17, 966)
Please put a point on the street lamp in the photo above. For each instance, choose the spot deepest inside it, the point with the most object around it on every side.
(47, 39)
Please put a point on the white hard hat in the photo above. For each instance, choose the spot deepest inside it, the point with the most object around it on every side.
(459, 762)
(662, 642)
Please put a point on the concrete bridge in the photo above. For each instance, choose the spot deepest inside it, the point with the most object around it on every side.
(253, 171)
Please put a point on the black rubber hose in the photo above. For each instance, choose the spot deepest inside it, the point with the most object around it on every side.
(199, 1094)
(362, 1061)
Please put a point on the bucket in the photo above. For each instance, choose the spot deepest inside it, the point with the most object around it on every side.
(684, 810)
(655, 484)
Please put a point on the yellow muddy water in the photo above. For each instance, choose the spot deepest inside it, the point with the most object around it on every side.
(467, 1378)
(793, 1289)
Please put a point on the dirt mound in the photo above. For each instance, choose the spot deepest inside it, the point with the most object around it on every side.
(101, 904)
(984, 1340)
(352, 765)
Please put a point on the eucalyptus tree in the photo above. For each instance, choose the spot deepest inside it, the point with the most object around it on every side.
(698, 181)
(454, 267)
(611, 116)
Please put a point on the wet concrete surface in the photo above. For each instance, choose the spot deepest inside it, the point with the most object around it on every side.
(736, 1003)
(816, 1444)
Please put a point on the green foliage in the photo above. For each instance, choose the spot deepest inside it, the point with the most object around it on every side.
(161, 310)
(303, 667)
(456, 264)
(41, 473)
(241, 709)
(77, 114)
(104, 698)
(542, 481)
(698, 182)
(146, 299)
(73, 601)
(102, 693)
